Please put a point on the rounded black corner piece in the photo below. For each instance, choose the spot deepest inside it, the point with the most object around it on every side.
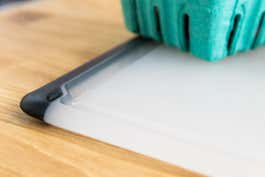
(34, 105)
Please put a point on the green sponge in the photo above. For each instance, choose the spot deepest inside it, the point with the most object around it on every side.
(209, 29)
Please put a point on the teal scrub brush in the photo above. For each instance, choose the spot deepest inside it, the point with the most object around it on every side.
(209, 29)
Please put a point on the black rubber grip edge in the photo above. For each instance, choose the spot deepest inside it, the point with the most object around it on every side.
(36, 103)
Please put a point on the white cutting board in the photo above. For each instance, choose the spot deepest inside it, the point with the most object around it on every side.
(207, 117)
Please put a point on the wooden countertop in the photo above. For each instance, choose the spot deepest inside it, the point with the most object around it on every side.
(40, 41)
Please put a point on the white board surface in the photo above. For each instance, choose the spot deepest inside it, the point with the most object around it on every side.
(207, 117)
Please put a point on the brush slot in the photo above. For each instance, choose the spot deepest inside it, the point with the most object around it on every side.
(158, 22)
(258, 31)
(186, 31)
(137, 23)
(232, 37)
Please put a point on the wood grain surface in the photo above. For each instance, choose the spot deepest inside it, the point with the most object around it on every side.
(40, 41)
